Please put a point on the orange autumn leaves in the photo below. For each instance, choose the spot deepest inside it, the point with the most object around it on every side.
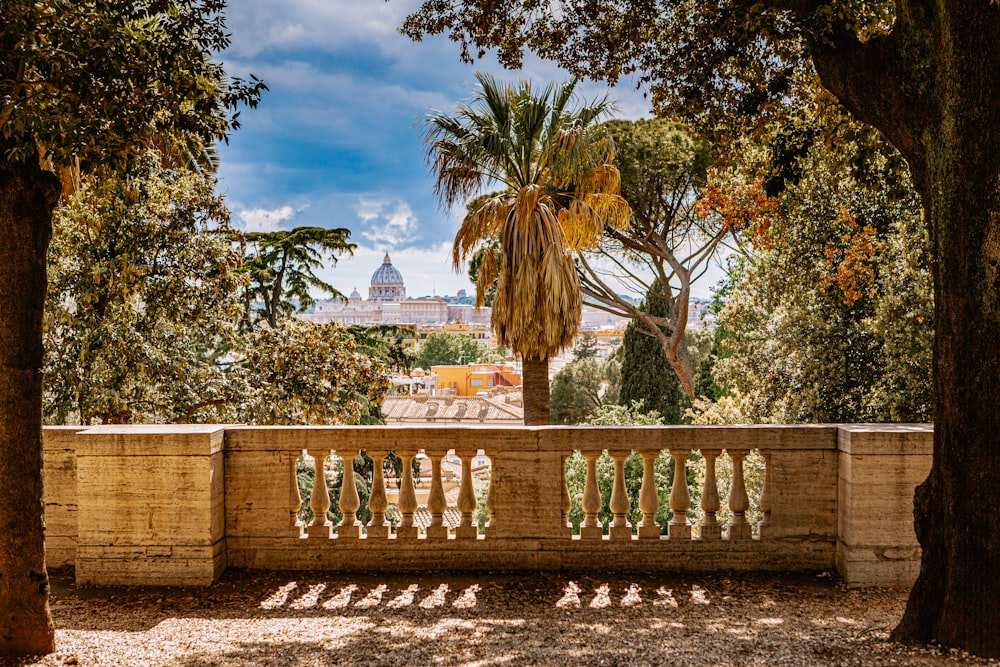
(744, 210)
(851, 260)
(749, 212)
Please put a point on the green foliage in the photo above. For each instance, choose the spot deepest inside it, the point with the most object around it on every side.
(586, 348)
(142, 298)
(647, 376)
(385, 342)
(304, 373)
(444, 348)
(96, 81)
(281, 268)
(582, 388)
(662, 163)
(634, 414)
(831, 320)
(142, 319)
(667, 242)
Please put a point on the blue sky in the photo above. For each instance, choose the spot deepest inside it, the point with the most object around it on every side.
(336, 143)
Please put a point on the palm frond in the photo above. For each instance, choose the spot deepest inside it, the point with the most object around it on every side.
(483, 224)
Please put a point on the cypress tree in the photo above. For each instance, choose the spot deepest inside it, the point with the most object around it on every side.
(646, 373)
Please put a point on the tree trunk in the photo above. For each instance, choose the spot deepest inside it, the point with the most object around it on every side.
(933, 88)
(27, 197)
(956, 600)
(535, 388)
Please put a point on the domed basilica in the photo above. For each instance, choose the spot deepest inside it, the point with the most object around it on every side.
(387, 283)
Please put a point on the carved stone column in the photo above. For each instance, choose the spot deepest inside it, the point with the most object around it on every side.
(436, 502)
(591, 528)
(620, 528)
(350, 502)
(378, 501)
(467, 529)
(680, 499)
(407, 530)
(710, 528)
(319, 502)
(649, 499)
(739, 502)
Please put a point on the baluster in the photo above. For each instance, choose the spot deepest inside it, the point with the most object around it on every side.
(619, 505)
(739, 503)
(350, 502)
(591, 527)
(467, 530)
(766, 495)
(407, 498)
(710, 528)
(378, 502)
(490, 494)
(320, 500)
(294, 497)
(567, 504)
(436, 502)
(680, 500)
(649, 500)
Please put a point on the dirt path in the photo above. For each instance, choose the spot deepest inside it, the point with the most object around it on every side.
(256, 618)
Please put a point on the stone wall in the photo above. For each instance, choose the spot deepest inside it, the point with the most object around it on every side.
(177, 504)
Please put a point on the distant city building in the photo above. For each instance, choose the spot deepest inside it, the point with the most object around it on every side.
(387, 283)
(386, 303)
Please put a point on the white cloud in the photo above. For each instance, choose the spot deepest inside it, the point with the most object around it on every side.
(263, 24)
(387, 223)
(266, 220)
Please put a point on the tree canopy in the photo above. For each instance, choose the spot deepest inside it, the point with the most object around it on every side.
(281, 265)
(143, 323)
(142, 299)
(830, 319)
(444, 348)
(669, 241)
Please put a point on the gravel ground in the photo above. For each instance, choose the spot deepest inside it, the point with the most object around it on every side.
(315, 618)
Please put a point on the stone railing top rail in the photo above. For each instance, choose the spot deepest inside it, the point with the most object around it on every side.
(200, 439)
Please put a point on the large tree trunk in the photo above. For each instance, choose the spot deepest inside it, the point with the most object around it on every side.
(27, 197)
(535, 389)
(933, 88)
(956, 600)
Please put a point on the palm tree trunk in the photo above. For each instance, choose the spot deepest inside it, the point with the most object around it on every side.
(535, 384)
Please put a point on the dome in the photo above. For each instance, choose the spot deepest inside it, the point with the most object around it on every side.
(387, 274)
(355, 295)
(387, 283)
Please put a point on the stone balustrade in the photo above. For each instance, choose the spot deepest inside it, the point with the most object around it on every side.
(177, 504)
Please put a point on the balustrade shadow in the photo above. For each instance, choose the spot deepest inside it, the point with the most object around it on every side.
(486, 619)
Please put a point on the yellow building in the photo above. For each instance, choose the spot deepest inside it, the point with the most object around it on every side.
(471, 379)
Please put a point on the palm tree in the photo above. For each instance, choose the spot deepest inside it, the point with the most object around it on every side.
(553, 162)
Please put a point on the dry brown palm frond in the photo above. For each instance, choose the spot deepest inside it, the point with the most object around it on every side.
(613, 209)
(538, 302)
(526, 201)
(603, 178)
(582, 225)
(483, 224)
(489, 270)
